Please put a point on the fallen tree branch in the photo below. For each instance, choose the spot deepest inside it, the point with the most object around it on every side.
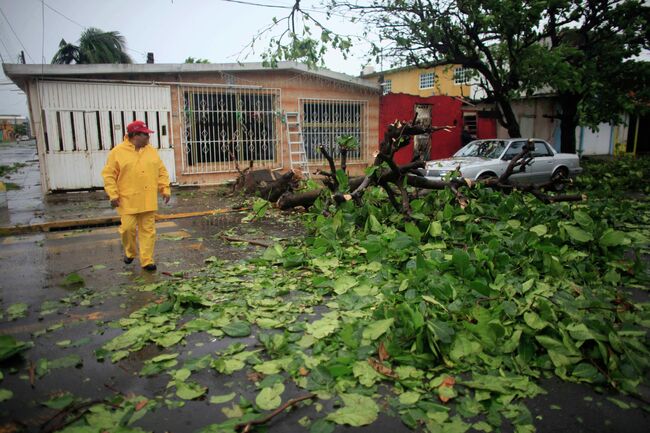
(80, 410)
(247, 427)
(388, 175)
(250, 241)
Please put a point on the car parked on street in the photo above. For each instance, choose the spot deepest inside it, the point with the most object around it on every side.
(483, 159)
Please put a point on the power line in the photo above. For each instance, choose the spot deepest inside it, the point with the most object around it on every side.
(264, 5)
(42, 36)
(80, 25)
(6, 49)
(10, 57)
(16, 35)
(63, 15)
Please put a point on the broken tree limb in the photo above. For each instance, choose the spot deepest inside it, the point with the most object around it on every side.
(273, 190)
(247, 427)
(332, 183)
(388, 175)
(306, 199)
(249, 241)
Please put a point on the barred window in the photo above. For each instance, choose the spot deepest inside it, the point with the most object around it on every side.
(387, 86)
(461, 75)
(427, 80)
(221, 125)
(324, 121)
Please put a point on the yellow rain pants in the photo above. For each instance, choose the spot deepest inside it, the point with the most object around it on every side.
(136, 176)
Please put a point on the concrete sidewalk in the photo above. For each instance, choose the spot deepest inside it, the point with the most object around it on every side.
(28, 205)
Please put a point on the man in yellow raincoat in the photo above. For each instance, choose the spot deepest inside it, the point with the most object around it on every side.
(133, 176)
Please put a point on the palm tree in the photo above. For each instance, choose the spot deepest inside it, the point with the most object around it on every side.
(95, 46)
(67, 53)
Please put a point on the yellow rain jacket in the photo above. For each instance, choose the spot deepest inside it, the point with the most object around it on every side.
(135, 177)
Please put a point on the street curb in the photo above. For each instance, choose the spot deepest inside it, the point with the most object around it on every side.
(101, 221)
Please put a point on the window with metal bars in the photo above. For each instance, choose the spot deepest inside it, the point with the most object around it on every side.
(387, 86)
(427, 80)
(224, 125)
(461, 75)
(324, 121)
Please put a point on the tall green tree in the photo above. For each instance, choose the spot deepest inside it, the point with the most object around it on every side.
(578, 49)
(589, 61)
(95, 46)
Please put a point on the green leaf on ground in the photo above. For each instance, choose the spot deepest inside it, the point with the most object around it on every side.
(59, 402)
(270, 398)
(376, 329)
(16, 311)
(189, 390)
(73, 279)
(237, 329)
(323, 327)
(5, 394)
(358, 411)
(218, 399)
(9, 346)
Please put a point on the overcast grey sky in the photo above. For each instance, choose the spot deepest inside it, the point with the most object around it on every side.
(171, 29)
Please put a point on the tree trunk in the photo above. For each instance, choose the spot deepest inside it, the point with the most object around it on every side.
(272, 191)
(569, 122)
(509, 120)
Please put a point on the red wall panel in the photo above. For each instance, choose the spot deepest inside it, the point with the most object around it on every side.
(486, 127)
(445, 110)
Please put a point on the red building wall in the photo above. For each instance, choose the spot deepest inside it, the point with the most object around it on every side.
(486, 127)
(445, 110)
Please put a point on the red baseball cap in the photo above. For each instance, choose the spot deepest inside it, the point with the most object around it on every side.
(138, 126)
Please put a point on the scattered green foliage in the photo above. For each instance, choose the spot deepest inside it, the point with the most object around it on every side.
(18, 310)
(348, 142)
(11, 186)
(73, 279)
(448, 318)
(626, 174)
(6, 170)
(9, 346)
(260, 207)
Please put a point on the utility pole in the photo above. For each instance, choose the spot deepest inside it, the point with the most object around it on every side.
(22, 57)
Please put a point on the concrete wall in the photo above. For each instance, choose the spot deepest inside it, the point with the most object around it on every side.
(605, 140)
(293, 88)
(530, 114)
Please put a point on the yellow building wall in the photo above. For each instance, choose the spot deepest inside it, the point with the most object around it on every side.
(408, 81)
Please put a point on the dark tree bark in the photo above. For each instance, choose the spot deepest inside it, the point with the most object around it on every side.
(272, 191)
(569, 121)
(508, 119)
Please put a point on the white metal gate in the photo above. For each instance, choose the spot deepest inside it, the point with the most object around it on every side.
(83, 121)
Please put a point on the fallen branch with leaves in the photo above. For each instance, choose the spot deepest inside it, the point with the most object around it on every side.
(395, 180)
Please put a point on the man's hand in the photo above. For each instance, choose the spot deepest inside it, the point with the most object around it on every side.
(115, 203)
(166, 198)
